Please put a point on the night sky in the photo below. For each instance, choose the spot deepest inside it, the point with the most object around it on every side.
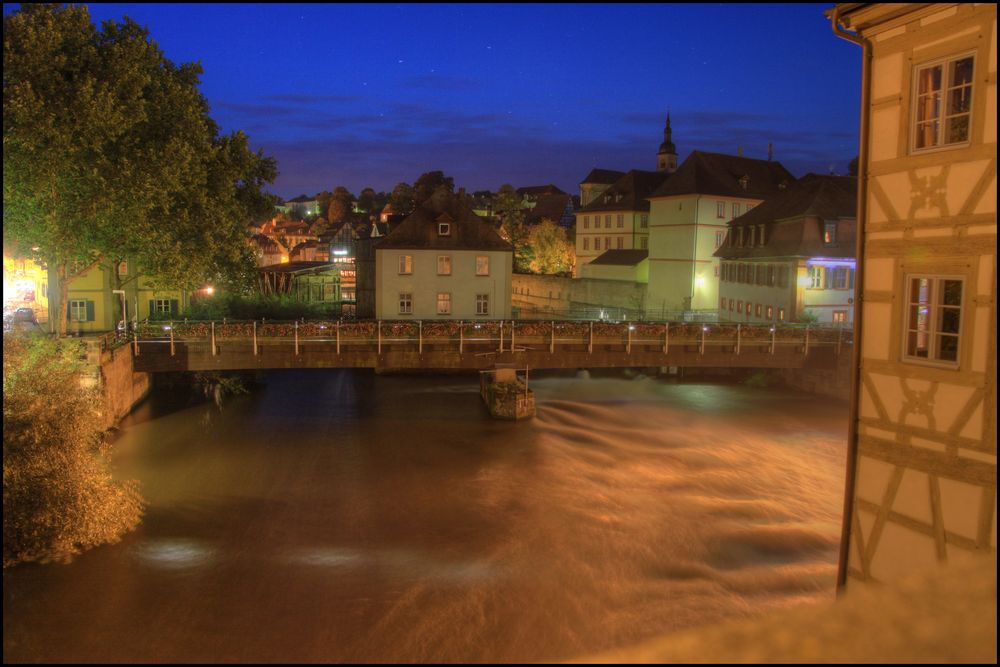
(375, 94)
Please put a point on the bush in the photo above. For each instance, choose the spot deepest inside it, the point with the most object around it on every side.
(271, 306)
(59, 497)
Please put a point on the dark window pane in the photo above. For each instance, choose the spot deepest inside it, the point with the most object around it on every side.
(948, 348)
(950, 318)
(917, 345)
(919, 290)
(952, 293)
(960, 100)
(957, 130)
(961, 71)
(929, 79)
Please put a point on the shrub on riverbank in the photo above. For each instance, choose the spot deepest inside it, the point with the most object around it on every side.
(59, 497)
(255, 307)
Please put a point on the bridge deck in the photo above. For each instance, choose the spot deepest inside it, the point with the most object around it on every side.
(410, 345)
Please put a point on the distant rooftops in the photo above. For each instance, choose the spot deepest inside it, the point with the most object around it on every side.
(466, 230)
(628, 193)
(602, 176)
(726, 175)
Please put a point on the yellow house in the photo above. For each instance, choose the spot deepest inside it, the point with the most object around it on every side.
(25, 285)
(922, 469)
(93, 307)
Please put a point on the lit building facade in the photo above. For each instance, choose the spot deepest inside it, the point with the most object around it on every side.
(922, 456)
(792, 257)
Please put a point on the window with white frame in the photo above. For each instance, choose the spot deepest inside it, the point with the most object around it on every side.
(78, 310)
(644, 221)
(933, 318)
(607, 243)
(586, 243)
(838, 279)
(444, 229)
(482, 304)
(644, 242)
(620, 220)
(840, 317)
(829, 233)
(942, 102)
(719, 238)
(444, 265)
(405, 264)
(482, 265)
(586, 222)
(736, 209)
(405, 303)
(720, 209)
(444, 303)
(161, 306)
(607, 222)
(620, 243)
(815, 277)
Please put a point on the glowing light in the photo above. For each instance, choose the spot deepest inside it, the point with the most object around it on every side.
(209, 290)
(166, 328)
(699, 281)
(825, 261)
(805, 281)
(340, 252)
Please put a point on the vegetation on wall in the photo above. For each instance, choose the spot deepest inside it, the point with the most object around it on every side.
(59, 497)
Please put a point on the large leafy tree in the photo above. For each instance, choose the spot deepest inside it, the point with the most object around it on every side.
(507, 206)
(109, 152)
(340, 207)
(425, 186)
(551, 250)
(402, 199)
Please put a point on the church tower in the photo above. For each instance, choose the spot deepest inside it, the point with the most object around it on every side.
(666, 157)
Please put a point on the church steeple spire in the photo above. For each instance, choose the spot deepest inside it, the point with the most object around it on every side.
(666, 157)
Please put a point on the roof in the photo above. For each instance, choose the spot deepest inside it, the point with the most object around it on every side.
(266, 243)
(300, 199)
(297, 267)
(606, 176)
(537, 190)
(627, 257)
(629, 193)
(468, 231)
(719, 174)
(553, 207)
(794, 220)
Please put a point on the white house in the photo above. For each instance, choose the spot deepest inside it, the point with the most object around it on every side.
(443, 262)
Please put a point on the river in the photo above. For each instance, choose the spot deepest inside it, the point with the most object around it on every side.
(340, 516)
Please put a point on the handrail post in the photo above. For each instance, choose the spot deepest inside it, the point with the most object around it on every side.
(590, 342)
(213, 338)
(666, 337)
(840, 336)
(296, 338)
(255, 338)
(338, 336)
(171, 339)
(420, 336)
(738, 332)
(702, 349)
(805, 350)
(135, 340)
(501, 335)
(380, 336)
(512, 322)
(773, 341)
(628, 342)
(461, 336)
(552, 338)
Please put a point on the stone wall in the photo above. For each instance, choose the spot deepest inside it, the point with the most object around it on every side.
(122, 387)
(557, 296)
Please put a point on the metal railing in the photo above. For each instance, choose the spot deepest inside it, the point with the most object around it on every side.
(499, 335)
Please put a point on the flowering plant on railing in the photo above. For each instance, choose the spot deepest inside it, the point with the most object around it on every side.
(572, 329)
(441, 329)
(533, 329)
(647, 330)
(750, 332)
(605, 329)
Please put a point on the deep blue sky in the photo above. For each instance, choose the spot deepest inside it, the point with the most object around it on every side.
(374, 94)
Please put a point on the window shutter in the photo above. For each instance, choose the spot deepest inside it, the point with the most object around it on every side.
(173, 307)
(69, 311)
(152, 309)
(90, 311)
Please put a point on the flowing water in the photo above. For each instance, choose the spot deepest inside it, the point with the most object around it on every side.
(341, 516)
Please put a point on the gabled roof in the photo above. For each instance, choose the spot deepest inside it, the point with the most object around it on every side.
(726, 175)
(539, 190)
(553, 207)
(606, 176)
(624, 257)
(629, 193)
(794, 220)
(468, 231)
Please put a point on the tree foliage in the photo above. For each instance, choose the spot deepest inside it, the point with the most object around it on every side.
(551, 250)
(402, 199)
(59, 497)
(507, 207)
(425, 186)
(340, 207)
(109, 153)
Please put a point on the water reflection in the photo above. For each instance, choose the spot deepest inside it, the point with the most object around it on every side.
(342, 516)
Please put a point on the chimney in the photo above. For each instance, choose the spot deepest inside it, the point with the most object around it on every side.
(770, 151)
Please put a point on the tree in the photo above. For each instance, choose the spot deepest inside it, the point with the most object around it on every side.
(366, 201)
(428, 183)
(551, 250)
(59, 497)
(402, 199)
(507, 207)
(341, 205)
(109, 153)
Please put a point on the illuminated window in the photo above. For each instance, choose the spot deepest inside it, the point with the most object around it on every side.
(830, 233)
(839, 316)
(769, 313)
(405, 264)
(748, 308)
(942, 103)
(444, 303)
(781, 314)
(757, 309)
(482, 304)
(482, 265)
(933, 318)
(739, 306)
(123, 268)
(444, 265)
(405, 304)
(815, 277)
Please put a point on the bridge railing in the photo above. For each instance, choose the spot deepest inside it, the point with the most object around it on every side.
(501, 335)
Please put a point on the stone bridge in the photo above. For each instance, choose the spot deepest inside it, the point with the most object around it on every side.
(482, 345)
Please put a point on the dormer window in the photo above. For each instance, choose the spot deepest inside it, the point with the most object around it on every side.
(760, 233)
(444, 229)
(830, 233)
(744, 181)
